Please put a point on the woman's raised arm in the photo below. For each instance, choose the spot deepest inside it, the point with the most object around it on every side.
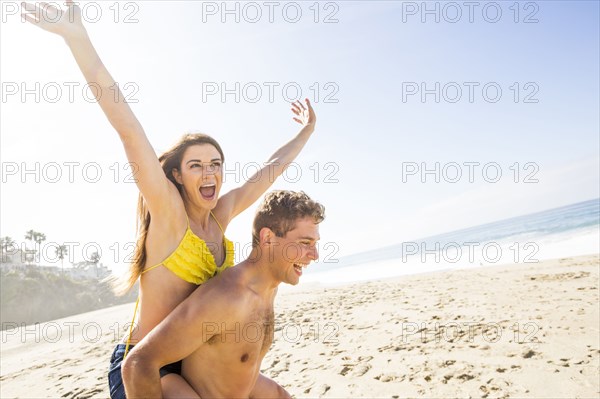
(237, 200)
(67, 23)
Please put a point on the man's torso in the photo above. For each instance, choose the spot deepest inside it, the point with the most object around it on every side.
(227, 365)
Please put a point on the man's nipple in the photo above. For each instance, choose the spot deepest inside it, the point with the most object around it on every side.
(244, 357)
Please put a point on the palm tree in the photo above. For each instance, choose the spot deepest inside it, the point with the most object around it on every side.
(60, 252)
(39, 238)
(30, 235)
(95, 258)
(5, 243)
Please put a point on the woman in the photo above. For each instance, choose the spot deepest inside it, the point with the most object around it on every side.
(182, 219)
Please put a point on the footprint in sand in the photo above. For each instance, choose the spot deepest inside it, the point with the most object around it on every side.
(564, 362)
(462, 373)
(559, 276)
(322, 390)
(282, 367)
(494, 386)
(361, 370)
(89, 394)
(74, 394)
(447, 363)
(528, 353)
(358, 369)
(465, 377)
(389, 348)
(389, 377)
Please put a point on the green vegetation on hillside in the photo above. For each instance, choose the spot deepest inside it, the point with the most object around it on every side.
(35, 296)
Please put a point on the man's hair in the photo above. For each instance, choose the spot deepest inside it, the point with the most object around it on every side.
(281, 209)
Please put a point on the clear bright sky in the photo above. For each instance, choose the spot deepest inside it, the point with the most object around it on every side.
(364, 74)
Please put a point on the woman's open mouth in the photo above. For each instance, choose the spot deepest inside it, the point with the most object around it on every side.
(208, 191)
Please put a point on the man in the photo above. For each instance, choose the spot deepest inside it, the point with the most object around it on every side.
(225, 327)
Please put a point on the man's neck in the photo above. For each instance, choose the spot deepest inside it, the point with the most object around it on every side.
(261, 278)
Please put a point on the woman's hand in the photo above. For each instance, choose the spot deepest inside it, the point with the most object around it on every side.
(306, 115)
(65, 22)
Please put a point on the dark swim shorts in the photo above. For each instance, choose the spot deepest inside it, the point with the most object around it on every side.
(115, 380)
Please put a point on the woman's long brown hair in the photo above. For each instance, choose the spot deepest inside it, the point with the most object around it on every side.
(169, 160)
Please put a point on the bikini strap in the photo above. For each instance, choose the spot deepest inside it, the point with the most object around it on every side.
(131, 327)
(137, 302)
(219, 224)
(151, 267)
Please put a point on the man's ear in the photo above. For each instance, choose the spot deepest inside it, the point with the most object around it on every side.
(266, 236)
(177, 176)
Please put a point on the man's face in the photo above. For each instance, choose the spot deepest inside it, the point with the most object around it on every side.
(293, 252)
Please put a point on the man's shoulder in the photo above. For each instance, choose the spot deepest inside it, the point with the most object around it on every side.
(230, 290)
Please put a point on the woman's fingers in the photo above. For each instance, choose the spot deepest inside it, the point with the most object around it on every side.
(308, 104)
(299, 105)
(49, 9)
(29, 8)
(29, 18)
(54, 19)
(305, 114)
(32, 12)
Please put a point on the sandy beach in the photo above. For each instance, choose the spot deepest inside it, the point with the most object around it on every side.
(528, 331)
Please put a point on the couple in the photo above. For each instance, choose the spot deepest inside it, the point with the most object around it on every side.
(225, 327)
(182, 244)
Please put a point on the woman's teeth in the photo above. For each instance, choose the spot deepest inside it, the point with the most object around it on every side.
(208, 191)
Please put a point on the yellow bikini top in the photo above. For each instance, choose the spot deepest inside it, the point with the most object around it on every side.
(191, 261)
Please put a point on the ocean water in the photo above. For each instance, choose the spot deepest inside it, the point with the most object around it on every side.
(566, 231)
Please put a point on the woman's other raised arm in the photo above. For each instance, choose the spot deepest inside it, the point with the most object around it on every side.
(237, 200)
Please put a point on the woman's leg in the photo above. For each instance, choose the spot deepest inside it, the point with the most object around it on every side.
(175, 386)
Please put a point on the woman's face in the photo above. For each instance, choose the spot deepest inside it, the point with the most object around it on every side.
(201, 174)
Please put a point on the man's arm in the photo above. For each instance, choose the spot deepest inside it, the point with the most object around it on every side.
(266, 388)
(182, 332)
